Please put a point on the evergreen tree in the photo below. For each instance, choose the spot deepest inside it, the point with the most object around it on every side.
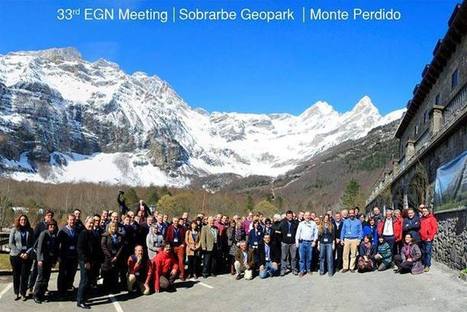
(131, 198)
(352, 197)
(249, 203)
(152, 197)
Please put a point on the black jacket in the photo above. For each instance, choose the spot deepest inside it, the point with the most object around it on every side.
(286, 237)
(274, 253)
(47, 247)
(111, 250)
(88, 246)
(67, 243)
(338, 229)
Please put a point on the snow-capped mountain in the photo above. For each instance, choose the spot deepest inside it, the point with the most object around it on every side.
(64, 119)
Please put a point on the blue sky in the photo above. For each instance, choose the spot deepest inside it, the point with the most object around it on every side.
(249, 67)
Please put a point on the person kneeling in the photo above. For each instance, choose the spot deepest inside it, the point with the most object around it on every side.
(165, 268)
(410, 257)
(139, 272)
(367, 252)
(244, 262)
(269, 257)
(383, 257)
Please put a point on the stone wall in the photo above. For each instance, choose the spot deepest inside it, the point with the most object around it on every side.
(450, 245)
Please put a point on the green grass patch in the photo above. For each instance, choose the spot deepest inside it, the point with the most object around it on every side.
(5, 261)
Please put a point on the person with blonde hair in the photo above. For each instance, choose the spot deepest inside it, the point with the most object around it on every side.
(112, 247)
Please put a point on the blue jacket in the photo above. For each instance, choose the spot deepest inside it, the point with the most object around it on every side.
(412, 226)
(352, 229)
(368, 230)
(255, 237)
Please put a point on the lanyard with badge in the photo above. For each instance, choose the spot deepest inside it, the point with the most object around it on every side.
(289, 234)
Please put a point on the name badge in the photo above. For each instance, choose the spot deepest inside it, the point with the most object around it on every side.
(289, 235)
(175, 240)
(267, 259)
(255, 243)
(325, 240)
(24, 248)
(136, 273)
(72, 247)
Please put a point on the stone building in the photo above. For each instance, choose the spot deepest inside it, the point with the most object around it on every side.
(433, 132)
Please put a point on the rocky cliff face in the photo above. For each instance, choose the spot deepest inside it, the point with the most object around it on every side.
(61, 115)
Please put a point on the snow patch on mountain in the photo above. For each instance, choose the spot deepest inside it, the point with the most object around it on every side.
(133, 123)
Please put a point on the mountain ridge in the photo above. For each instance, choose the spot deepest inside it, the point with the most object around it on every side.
(59, 112)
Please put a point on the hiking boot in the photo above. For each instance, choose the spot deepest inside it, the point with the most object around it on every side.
(345, 270)
(427, 269)
(238, 277)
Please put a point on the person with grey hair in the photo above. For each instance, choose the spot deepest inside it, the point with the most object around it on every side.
(154, 240)
(244, 262)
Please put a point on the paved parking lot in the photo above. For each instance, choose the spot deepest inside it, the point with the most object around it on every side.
(438, 290)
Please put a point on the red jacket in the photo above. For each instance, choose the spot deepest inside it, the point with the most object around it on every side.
(396, 226)
(139, 269)
(428, 227)
(170, 235)
(162, 264)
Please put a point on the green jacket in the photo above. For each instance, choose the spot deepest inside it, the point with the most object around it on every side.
(385, 251)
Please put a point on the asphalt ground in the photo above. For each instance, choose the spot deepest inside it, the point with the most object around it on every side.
(437, 290)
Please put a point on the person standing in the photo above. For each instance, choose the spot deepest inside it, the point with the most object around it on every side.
(154, 240)
(192, 250)
(428, 230)
(288, 230)
(40, 227)
(305, 240)
(21, 242)
(390, 228)
(112, 247)
(208, 242)
(370, 229)
(47, 254)
(338, 223)
(326, 245)
(351, 235)
(411, 225)
(68, 257)
(175, 236)
(87, 246)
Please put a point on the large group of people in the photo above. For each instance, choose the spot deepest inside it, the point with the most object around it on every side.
(143, 252)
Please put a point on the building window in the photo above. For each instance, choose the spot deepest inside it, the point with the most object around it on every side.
(426, 117)
(416, 130)
(455, 79)
(437, 99)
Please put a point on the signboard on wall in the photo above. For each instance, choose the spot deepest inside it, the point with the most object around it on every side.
(451, 184)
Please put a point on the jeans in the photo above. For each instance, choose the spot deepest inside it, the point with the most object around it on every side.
(326, 254)
(83, 283)
(269, 270)
(210, 261)
(427, 247)
(305, 252)
(288, 253)
(339, 251)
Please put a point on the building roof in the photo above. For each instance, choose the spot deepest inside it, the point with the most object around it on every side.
(441, 54)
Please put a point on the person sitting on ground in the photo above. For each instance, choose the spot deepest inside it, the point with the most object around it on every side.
(165, 269)
(139, 272)
(269, 257)
(244, 262)
(383, 257)
(410, 257)
(367, 251)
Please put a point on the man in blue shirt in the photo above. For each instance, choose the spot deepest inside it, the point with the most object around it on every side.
(351, 235)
